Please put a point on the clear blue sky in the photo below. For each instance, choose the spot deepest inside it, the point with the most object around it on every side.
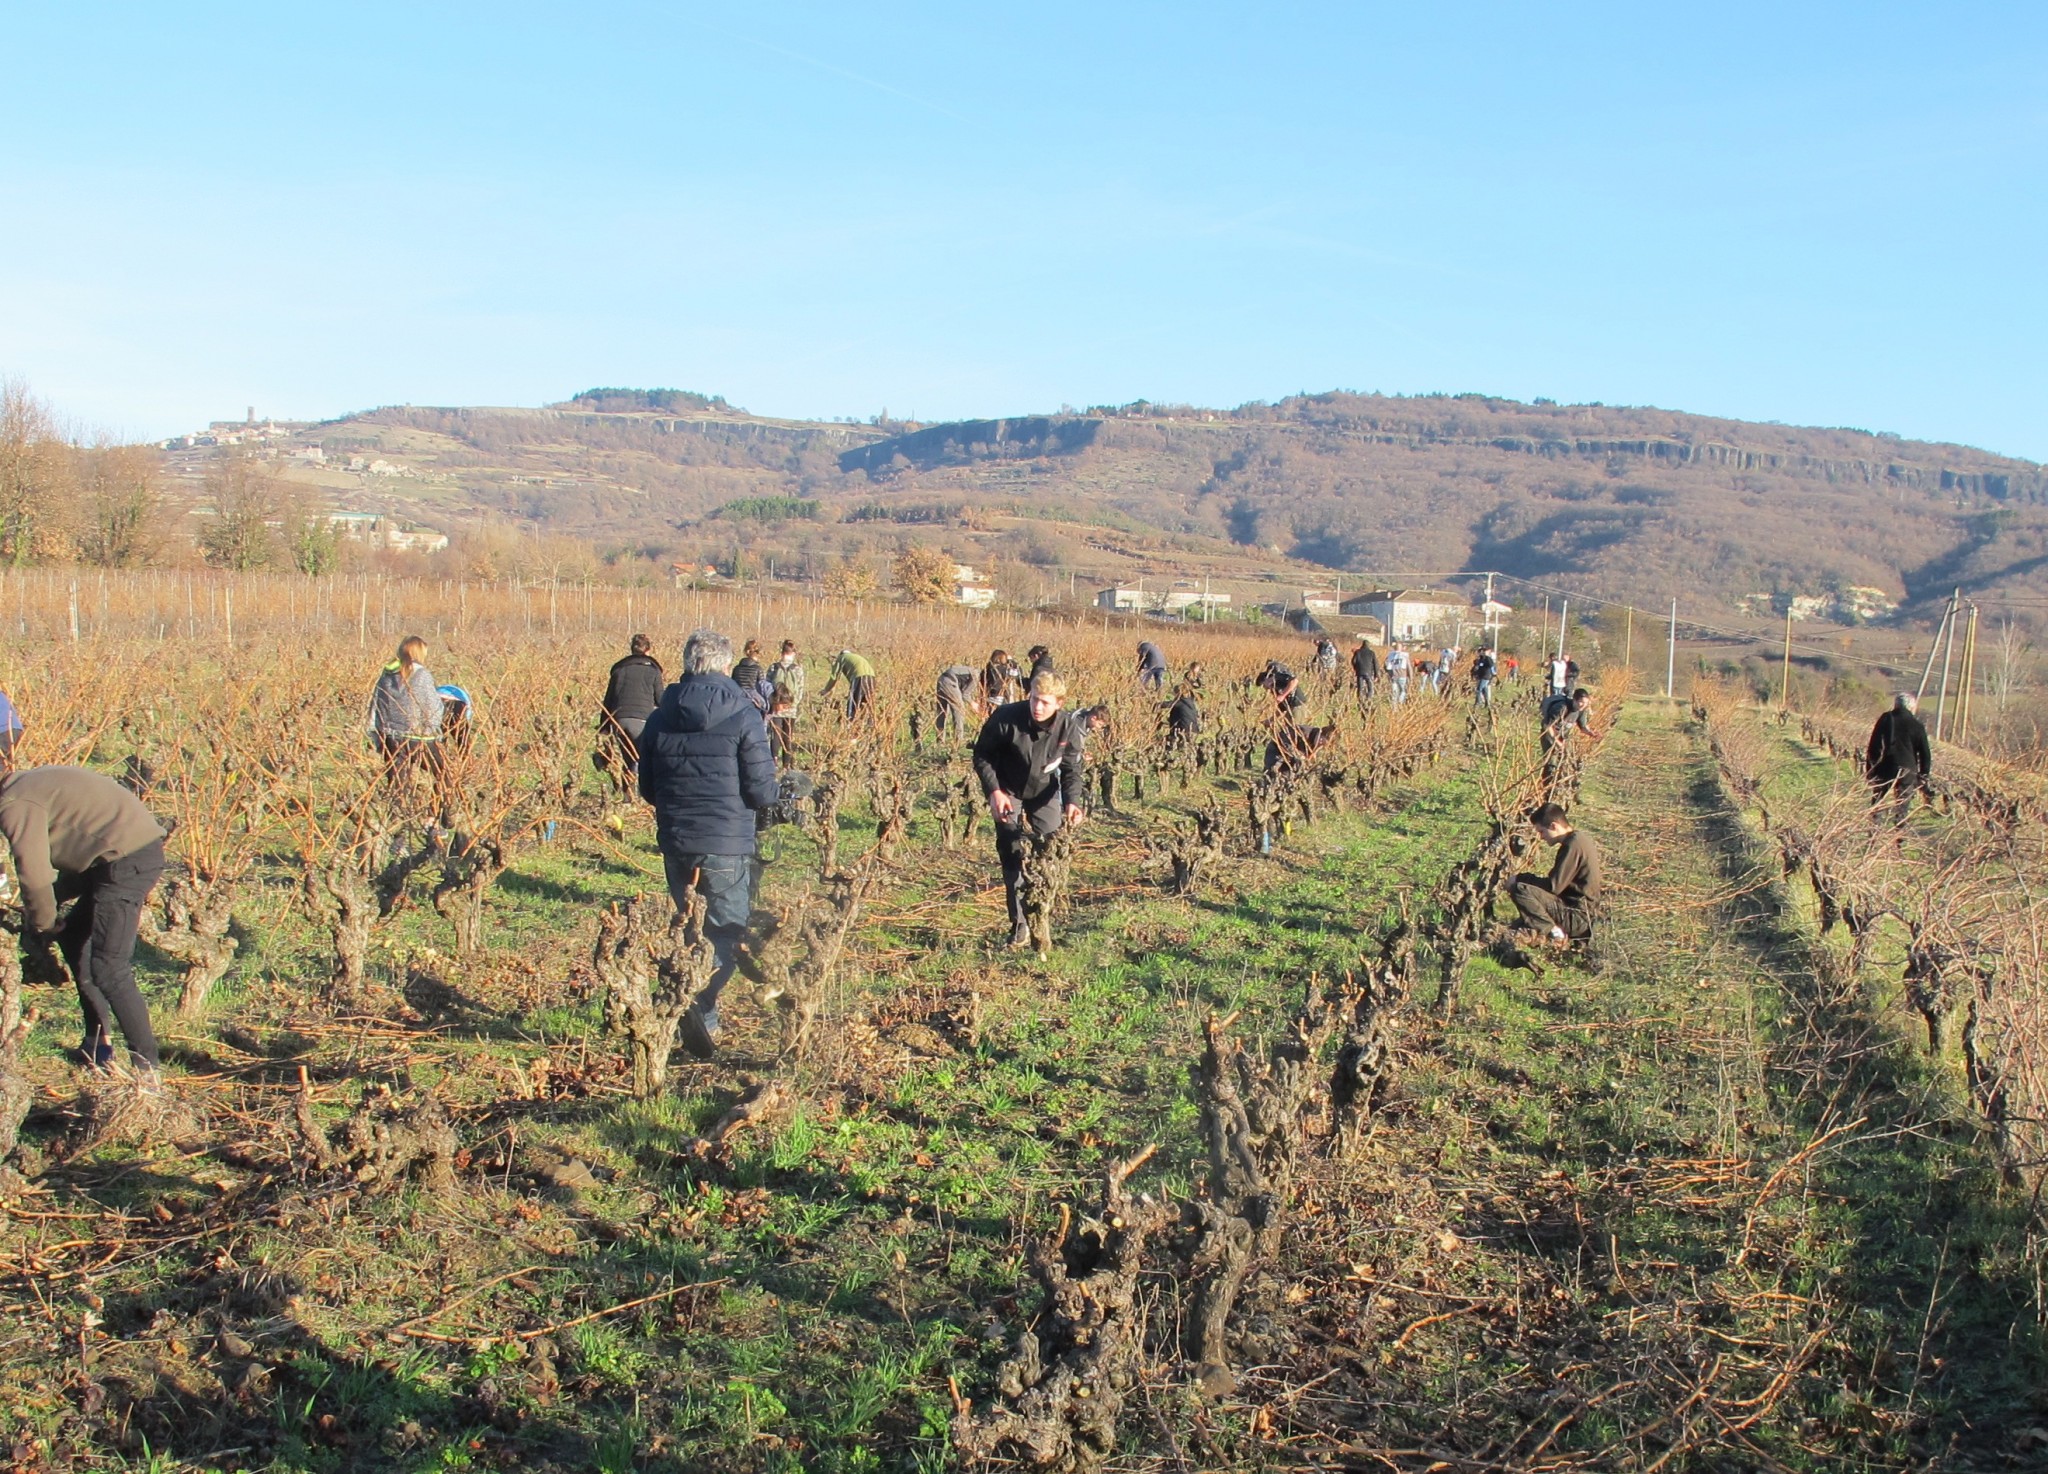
(1819, 213)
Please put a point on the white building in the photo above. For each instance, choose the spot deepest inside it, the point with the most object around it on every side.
(386, 531)
(1176, 600)
(1125, 601)
(1413, 614)
(975, 595)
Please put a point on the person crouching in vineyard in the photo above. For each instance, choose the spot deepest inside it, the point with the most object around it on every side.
(406, 712)
(1183, 721)
(706, 768)
(859, 674)
(959, 691)
(1560, 906)
(1029, 760)
(78, 835)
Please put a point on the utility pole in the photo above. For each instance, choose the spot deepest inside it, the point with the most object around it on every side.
(1966, 691)
(1940, 630)
(1628, 637)
(1785, 676)
(1671, 651)
(1564, 618)
(1948, 651)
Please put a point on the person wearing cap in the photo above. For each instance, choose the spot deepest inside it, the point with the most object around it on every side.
(859, 673)
(1028, 758)
(1898, 759)
(1560, 905)
(78, 835)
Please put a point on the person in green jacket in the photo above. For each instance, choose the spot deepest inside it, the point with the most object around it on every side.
(860, 682)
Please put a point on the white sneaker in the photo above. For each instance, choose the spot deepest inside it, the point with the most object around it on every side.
(1557, 934)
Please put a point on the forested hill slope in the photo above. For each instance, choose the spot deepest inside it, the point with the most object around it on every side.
(1643, 503)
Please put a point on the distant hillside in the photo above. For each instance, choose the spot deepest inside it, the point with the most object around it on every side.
(1635, 502)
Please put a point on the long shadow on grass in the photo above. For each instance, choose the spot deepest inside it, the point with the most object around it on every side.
(213, 1366)
(1933, 1252)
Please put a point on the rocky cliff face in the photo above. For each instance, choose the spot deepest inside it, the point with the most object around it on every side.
(1640, 503)
(962, 442)
(1637, 503)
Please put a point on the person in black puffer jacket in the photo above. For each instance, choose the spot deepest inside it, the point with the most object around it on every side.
(630, 698)
(706, 768)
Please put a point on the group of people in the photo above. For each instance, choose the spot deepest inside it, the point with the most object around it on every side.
(705, 750)
(706, 758)
(1404, 672)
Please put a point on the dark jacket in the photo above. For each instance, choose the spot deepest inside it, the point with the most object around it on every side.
(1150, 656)
(634, 690)
(705, 766)
(1035, 765)
(752, 678)
(1277, 678)
(1898, 745)
(1184, 718)
(1575, 873)
(1561, 714)
(1483, 667)
(999, 680)
(1365, 663)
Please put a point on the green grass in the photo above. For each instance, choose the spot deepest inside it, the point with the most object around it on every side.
(852, 1260)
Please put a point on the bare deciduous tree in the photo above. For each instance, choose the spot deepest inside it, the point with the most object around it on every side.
(238, 535)
(34, 474)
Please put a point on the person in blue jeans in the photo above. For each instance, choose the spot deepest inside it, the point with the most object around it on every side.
(706, 768)
(1485, 666)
